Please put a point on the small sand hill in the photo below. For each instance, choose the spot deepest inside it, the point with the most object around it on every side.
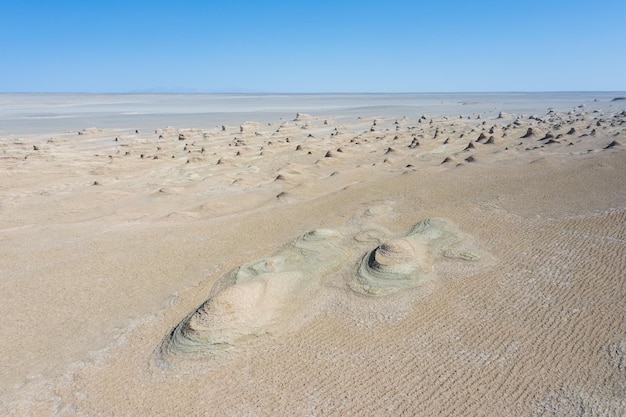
(614, 144)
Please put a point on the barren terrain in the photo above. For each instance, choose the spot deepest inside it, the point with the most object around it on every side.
(447, 265)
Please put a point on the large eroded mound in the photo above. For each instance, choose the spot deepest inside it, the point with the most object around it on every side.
(405, 262)
(263, 296)
(260, 296)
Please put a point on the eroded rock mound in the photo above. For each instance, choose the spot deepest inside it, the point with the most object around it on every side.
(266, 296)
(406, 262)
(259, 297)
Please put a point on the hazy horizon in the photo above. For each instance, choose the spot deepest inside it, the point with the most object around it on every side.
(39, 113)
(260, 92)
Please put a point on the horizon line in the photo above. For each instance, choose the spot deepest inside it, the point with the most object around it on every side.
(165, 92)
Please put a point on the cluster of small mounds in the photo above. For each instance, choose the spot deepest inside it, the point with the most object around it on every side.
(255, 153)
(577, 132)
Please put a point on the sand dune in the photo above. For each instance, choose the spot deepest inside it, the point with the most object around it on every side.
(319, 264)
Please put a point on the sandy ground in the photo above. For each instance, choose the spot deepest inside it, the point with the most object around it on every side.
(170, 272)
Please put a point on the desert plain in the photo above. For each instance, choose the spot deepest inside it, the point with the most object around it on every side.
(313, 255)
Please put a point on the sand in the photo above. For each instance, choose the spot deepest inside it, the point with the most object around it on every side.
(325, 263)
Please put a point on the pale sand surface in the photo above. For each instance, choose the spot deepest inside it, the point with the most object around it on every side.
(184, 282)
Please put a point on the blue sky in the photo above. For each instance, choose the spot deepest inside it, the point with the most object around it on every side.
(313, 46)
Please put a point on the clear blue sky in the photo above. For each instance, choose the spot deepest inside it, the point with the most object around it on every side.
(312, 46)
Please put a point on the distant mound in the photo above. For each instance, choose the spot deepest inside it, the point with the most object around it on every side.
(303, 117)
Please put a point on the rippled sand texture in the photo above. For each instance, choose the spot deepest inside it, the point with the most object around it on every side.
(455, 264)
